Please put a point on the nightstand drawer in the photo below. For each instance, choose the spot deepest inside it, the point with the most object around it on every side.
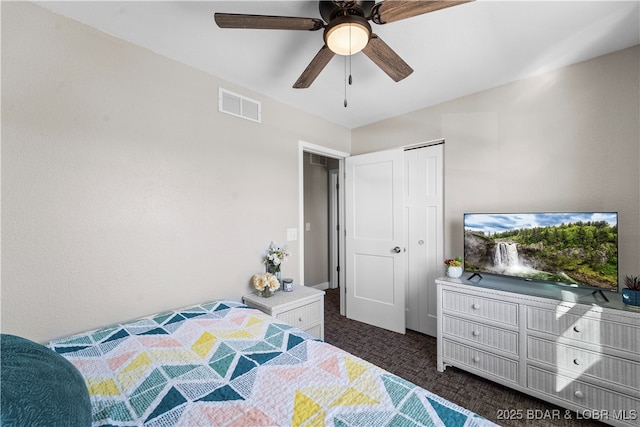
(303, 308)
(490, 336)
(479, 360)
(482, 308)
(315, 331)
(303, 316)
(584, 362)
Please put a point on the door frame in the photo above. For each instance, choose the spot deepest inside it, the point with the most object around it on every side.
(307, 147)
(334, 225)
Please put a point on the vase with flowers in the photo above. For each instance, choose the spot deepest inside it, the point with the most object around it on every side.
(274, 258)
(454, 267)
(266, 284)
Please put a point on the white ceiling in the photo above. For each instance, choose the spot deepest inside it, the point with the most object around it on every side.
(454, 52)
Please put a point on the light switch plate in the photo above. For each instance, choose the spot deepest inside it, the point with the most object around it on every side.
(292, 234)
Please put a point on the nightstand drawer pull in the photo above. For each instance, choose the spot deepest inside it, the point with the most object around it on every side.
(475, 333)
(476, 359)
(576, 362)
(577, 328)
(578, 394)
(475, 306)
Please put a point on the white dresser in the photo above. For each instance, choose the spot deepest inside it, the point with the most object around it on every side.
(562, 345)
(303, 308)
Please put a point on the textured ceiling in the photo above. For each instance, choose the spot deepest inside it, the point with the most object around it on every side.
(454, 51)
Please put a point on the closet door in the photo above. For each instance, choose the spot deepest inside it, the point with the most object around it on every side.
(424, 201)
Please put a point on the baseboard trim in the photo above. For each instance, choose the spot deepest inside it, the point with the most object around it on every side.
(321, 286)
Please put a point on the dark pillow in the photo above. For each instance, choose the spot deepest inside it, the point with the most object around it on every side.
(38, 387)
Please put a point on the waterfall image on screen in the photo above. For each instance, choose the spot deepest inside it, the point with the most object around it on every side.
(578, 249)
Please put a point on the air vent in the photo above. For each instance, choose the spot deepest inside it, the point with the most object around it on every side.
(318, 160)
(239, 106)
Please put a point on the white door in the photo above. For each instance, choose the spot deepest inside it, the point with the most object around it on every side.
(424, 202)
(375, 247)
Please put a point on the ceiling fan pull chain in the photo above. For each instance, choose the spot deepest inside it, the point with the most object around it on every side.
(350, 55)
(345, 82)
(350, 80)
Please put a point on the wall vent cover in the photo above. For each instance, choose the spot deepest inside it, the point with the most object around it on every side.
(318, 160)
(239, 106)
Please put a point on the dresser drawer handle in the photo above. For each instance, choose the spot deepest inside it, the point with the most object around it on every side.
(576, 362)
(579, 394)
(300, 319)
(475, 306)
(577, 328)
(475, 333)
(476, 359)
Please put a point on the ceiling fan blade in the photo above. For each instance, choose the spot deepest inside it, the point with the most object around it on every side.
(385, 58)
(314, 68)
(395, 10)
(265, 22)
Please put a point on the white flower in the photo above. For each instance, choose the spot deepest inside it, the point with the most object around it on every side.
(272, 282)
(262, 280)
(276, 255)
(259, 281)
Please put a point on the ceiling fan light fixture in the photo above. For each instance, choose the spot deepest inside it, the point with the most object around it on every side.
(347, 35)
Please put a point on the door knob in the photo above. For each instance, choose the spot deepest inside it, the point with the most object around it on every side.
(397, 249)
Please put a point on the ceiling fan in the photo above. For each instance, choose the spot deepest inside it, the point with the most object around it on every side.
(346, 31)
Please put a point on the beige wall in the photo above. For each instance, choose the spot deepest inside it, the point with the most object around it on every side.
(562, 141)
(124, 190)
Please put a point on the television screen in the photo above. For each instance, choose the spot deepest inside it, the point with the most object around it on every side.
(579, 248)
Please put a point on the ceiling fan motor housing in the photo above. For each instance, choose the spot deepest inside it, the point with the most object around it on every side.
(329, 10)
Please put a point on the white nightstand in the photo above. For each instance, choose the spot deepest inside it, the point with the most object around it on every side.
(303, 308)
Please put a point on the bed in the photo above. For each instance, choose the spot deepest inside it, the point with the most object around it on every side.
(225, 364)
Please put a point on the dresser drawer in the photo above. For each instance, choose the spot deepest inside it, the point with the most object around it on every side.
(587, 396)
(480, 307)
(592, 330)
(303, 316)
(584, 362)
(490, 336)
(479, 360)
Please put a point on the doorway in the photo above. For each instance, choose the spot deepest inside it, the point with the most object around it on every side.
(320, 214)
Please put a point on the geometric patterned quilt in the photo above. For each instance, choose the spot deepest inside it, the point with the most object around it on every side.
(226, 364)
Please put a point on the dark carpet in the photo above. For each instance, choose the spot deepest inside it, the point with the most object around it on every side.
(413, 357)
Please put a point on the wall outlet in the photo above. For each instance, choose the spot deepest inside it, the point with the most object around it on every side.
(292, 234)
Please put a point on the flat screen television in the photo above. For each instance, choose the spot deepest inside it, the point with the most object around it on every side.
(571, 248)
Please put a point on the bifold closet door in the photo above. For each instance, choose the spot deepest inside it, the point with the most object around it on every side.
(424, 202)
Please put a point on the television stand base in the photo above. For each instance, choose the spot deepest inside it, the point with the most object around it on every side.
(599, 291)
(475, 275)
